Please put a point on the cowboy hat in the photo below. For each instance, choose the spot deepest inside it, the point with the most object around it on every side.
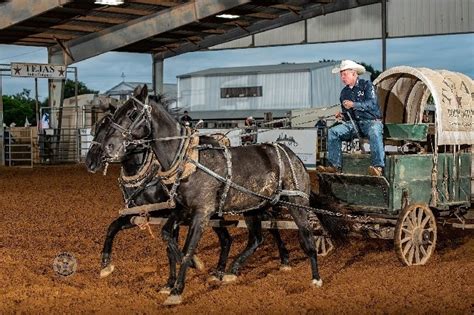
(349, 64)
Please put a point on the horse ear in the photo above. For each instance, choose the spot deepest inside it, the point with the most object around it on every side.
(144, 92)
(137, 91)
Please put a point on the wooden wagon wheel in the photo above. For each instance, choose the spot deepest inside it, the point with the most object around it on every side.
(415, 235)
(323, 244)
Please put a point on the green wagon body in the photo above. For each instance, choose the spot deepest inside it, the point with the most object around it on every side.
(407, 179)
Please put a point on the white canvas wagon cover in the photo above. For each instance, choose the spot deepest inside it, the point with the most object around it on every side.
(403, 93)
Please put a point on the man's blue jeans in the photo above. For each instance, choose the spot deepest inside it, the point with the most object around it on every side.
(372, 129)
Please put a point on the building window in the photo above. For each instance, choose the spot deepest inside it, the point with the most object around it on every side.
(247, 91)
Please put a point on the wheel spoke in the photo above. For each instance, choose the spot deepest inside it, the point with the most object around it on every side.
(423, 223)
(410, 255)
(406, 239)
(423, 251)
(420, 215)
(413, 218)
(417, 254)
(323, 244)
(407, 231)
(407, 248)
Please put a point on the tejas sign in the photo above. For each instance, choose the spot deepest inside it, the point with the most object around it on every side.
(38, 70)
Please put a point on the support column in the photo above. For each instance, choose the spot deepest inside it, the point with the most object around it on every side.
(56, 90)
(384, 35)
(157, 64)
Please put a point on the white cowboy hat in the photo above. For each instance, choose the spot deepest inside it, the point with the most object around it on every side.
(349, 64)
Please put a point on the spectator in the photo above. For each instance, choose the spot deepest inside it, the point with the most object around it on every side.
(186, 119)
(321, 123)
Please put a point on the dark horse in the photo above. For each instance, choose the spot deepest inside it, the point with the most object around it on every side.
(250, 177)
(150, 191)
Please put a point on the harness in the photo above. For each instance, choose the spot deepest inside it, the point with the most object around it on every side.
(267, 200)
(185, 163)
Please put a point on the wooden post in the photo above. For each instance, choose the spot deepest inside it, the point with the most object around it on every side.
(37, 105)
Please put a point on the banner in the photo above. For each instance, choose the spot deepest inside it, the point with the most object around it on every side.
(38, 70)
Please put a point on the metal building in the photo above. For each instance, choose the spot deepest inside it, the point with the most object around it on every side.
(224, 93)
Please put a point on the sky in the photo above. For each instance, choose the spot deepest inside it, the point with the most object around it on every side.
(450, 52)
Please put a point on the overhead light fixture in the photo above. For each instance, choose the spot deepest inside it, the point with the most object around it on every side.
(228, 16)
(109, 2)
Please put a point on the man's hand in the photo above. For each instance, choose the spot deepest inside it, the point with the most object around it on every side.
(339, 116)
(348, 104)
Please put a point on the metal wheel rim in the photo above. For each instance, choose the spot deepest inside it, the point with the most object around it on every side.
(415, 237)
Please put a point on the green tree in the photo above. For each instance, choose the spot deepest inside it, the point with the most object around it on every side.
(374, 73)
(70, 86)
(69, 91)
(17, 107)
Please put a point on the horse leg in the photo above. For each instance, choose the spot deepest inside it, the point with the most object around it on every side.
(254, 226)
(170, 234)
(301, 218)
(196, 228)
(121, 223)
(284, 255)
(225, 241)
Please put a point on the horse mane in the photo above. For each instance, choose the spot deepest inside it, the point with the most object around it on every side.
(162, 99)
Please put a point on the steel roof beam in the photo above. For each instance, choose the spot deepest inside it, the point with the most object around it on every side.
(16, 11)
(142, 28)
(265, 25)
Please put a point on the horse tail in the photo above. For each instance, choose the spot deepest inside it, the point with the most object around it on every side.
(336, 227)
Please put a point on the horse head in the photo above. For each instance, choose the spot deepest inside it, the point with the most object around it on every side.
(128, 127)
(104, 131)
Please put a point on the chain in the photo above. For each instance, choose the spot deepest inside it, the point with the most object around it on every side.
(357, 218)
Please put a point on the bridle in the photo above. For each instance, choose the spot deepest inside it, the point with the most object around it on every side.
(138, 118)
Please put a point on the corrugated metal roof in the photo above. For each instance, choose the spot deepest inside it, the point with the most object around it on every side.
(124, 88)
(283, 67)
(184, 26)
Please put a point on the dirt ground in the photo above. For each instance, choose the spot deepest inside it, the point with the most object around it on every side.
(45, 211)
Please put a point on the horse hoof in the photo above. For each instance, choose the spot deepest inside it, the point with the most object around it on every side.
(165, 290)
(105, 272)
(317, 283)
(213, 279)
(285, 267)
(198, 263)
(173, 300)
(229, 278)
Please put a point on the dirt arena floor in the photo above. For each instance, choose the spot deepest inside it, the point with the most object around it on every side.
(45, 211)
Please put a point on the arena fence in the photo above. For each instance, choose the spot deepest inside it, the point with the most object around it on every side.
(19, 146)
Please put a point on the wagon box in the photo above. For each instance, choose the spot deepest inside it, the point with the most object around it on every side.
(407, 180)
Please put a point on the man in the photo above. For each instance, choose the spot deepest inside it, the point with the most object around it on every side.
(321, 123)
(360, 116)
(186, 119)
